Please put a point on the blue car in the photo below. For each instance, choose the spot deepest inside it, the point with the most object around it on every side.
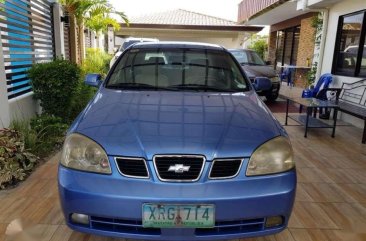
(177, 145)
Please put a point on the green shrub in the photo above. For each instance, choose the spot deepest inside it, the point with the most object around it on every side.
(84, 95)
(96, 61)
(43, 134)
(48, 127)
(29, 136)
(56, 84)
(15, 161)
(50, 132)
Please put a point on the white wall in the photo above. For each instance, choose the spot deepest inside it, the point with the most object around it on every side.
(336, 10)
(23, 107)
(228, 39)
(226, 42)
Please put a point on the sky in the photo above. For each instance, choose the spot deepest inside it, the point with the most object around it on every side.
(227, 9)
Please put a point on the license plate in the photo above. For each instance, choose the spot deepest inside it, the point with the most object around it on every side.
(178, 216)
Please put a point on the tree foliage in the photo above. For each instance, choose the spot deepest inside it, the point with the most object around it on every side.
(96, 14)
(99, 18)
(97, 61)
(259, 45)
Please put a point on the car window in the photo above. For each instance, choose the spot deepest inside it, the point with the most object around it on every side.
(179, 69)
(247, 57)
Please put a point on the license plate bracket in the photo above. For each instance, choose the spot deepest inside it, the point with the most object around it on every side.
(178, 215)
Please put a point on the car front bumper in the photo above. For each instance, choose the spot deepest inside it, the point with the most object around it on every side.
(114, 204)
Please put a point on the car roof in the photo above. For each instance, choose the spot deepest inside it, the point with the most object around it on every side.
(177, 44)
(244, 50)
(141, 39)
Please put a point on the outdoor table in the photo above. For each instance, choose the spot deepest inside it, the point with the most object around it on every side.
(309, 121)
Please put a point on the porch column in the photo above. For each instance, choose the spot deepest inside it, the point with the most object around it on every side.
(110, 40)
(272, 47)
(4, 102)
(74, 56)
(58, 31)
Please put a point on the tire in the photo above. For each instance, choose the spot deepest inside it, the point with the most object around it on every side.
(272, 96)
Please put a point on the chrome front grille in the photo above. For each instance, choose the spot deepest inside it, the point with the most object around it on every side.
(132, 167)
(179, 168)
(225, 168)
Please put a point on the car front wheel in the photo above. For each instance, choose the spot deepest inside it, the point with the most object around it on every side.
(272, 96)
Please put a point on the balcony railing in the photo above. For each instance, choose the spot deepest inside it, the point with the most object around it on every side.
(249, 8)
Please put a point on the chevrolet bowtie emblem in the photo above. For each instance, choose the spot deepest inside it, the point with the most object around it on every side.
(179, 168)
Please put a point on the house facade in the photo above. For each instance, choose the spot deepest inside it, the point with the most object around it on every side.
(327, 33)
(291, 38)
(183, 25)
(294, 39)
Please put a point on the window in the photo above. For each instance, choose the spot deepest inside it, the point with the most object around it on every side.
(287, 46)
(350, 50)
(247, 57)
(173, 68)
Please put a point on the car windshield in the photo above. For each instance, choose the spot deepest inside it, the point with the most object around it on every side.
(178, 69)
(247, 57)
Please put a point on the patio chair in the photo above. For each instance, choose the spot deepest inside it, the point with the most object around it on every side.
(321, 91)
(286, 75)
(322, 84)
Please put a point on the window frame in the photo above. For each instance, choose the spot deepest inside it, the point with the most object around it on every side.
(357, 70)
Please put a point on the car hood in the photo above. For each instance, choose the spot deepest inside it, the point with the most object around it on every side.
(145, 123)
(259, 71)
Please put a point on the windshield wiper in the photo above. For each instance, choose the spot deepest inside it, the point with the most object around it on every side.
(246, 63)
(138, 86)
(200, 87)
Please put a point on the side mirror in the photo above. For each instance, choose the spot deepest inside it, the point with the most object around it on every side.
(94, 80)
(268, 62)
(262, 84)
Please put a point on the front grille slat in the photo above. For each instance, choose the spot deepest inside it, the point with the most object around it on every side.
(223, 169)
(132, 167)
(135, 227)
(122, 226)
(233, 227)
(195, 165)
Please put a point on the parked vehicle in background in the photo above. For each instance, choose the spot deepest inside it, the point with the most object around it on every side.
(177, 145)
(128, 42)
(255, 67)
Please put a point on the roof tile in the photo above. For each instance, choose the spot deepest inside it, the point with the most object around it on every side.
(181, 17)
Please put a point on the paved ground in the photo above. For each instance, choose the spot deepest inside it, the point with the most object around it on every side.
(330, 203)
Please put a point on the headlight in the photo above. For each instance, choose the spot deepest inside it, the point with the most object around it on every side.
(81, 153)
(275, 79)
(272, 157)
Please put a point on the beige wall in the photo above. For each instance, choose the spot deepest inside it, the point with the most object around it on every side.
(228, 39)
